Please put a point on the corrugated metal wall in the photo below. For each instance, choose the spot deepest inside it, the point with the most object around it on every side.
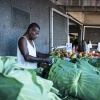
(59, 30)
(92, 34)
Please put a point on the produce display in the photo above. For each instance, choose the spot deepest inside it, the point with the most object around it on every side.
(73, 76)
(77, 79)
(62, 53)
(17, 82)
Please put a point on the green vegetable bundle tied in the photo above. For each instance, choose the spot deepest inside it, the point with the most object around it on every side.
(77, 82)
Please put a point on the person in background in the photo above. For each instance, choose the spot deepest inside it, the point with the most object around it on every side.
(89, 46)
(75, 44)
(85, 46)
(27, 53)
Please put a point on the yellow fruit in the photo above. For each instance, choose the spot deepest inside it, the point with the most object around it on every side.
(73, 56)
(79, 55)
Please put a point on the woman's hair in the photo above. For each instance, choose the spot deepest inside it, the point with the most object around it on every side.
(32, 25)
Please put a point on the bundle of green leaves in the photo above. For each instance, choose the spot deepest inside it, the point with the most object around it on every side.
(78, 80)
(18, 82)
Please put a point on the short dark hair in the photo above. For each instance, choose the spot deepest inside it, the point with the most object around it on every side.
(32, 25)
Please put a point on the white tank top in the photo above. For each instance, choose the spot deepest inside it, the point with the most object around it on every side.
(32, 52)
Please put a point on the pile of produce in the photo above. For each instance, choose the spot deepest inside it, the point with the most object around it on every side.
(62, 53)
(77, 79)
(17, 82)
(71, 77)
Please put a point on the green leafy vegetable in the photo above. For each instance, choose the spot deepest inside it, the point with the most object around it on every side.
(9, 88)
(77, 82)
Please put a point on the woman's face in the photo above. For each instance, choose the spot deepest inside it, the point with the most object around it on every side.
(34, 32)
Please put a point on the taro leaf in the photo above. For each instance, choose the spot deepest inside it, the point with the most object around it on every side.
(9, 88)
(33, 73)
(1, 65)
(76, 82)
(86, 86)
(95, 62)
(69, 64)
(84, 65)
(10, 61)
